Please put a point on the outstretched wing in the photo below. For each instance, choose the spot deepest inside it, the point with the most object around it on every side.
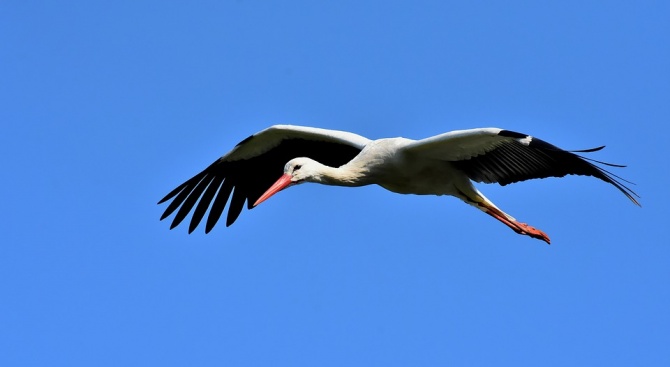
(494, 155)
(251, 167)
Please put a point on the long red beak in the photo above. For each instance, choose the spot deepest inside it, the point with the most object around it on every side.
(283, 182)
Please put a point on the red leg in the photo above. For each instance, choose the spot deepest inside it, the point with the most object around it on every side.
(518, 227)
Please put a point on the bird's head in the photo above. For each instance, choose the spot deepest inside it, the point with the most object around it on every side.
(296, 171)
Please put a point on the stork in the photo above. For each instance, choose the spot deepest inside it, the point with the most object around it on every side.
(283, 155)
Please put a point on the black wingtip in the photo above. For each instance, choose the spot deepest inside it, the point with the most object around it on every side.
(171, 194)
(164, 199)
(588, 150)
(605, 163)
(176, 190)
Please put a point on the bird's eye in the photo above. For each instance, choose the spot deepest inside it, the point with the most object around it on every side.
(297, 167)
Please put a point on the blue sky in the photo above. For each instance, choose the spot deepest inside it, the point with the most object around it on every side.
(107, 106)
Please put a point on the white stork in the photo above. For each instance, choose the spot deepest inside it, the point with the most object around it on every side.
(283, 155)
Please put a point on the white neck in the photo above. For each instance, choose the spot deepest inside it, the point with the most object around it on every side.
(347, 175)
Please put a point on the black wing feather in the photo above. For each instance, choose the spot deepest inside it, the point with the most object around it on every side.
(515, 160)
(246, 179)
(219, 204)
(204, 202)
(190, 201)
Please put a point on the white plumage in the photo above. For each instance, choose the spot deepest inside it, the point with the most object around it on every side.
(444, 164)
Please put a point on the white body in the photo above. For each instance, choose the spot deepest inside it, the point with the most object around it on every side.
(443, 164)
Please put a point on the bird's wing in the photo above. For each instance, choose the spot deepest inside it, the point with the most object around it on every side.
(494, 155)
(252, 166)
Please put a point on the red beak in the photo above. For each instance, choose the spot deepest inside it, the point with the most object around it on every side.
(283, 182)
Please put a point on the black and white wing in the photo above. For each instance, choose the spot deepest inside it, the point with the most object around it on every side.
(495, 155)
(251, 168)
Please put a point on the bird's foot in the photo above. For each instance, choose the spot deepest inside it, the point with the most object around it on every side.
(523, 228)
(518, 227)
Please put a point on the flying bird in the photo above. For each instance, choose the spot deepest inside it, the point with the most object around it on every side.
(283, 155)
